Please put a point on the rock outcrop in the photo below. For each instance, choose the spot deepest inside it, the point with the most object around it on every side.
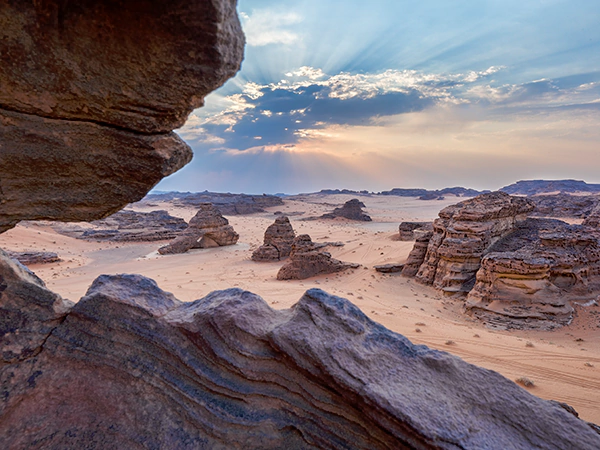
(208, 228)
(535, 187)
(532, 278)
(127, 226)
(416, 257)
(409, 231)
(308, 260)
(352, 210)
(28, 258)
(565, 205)
(463, 234)
(130, 366)
(389, 268)
(90, 93)
(277, 243)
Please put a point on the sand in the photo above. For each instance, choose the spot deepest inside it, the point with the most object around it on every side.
(564, 364)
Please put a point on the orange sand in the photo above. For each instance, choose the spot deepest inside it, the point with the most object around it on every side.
(562, 366)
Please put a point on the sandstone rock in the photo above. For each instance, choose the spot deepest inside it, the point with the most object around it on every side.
(593, 218)
(407, 229)
(129, 366)
(89, 94)
(462, 234)
(352, 210)
(207, 229)
(34, 257)
(306, 260)
(128, 226)
(277, 242)
(565, 205)
(532, 278)
(389, 268)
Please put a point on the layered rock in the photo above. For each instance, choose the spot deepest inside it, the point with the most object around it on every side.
(389, 268)
(308, 260)
(352, 210)
(130, 366)
(535, 275)
(462, 235)
(207, 229)
(409, 231)
(277, 243)
(90, 92)
(128, 226)
(28, 258)
(416, 257)
(565, 205)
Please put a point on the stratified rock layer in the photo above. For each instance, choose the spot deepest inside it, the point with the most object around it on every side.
(417, 255)
(307, 260)
(90, 92)
(208, 228)
(409, 231)
(463, 233)
(278, 240)
(34, 257)
(352, 210)
(130, 366)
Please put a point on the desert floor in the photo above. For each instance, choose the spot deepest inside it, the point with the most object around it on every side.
(564, 364)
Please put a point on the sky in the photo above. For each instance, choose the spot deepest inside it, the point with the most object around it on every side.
(396, 93)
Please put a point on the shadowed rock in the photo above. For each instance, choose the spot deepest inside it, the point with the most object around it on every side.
(90, 92)
(352, 210)
(32, 257)
(278, 240)
(409, 231)
(129, 366)
(416, 257)
(307, 260)
(208, 228)
(389, 268)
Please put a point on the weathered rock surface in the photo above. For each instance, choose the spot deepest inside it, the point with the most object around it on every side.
(352, 210)
(593, 218)
(90, 92)
(535, 187)
(307, 260)
(565, 205)
(416, 257)
(34, 257)
(129, 366)
(208, 228)
(278, 240)
(228, 204)
(532, 277)
(408, 231)
(127, 226)
(389, 268)
(462, 235)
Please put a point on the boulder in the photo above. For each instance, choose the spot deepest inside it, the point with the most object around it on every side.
(130, 366)
(409, 230)
(278, 240)
(28, 258)
(389, 268)
(307, 260)
(462, 235)
(352, 210)
(90, 93)
(207, 229)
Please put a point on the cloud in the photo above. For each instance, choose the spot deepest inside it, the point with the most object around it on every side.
(266, 26)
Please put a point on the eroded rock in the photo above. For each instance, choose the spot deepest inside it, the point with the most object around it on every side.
(131, 366)
(409, 231)
(352, 210)
(28, 258)
(277, 243)
(207, 229)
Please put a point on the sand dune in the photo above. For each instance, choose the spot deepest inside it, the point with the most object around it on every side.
(564, 364)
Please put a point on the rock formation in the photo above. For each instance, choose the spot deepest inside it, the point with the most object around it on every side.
(389, 268)
(565, 205)
(28, 258)
(352, 210)
(130, 366)
(416, 257)
(208, 228)
(278, 240)
(127, 226)
(307, 260)
(534, 276)
(462, 235)
(535, 187)
(90, 92)
(409, 231)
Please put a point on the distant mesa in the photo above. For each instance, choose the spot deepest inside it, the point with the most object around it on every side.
(278, 240)
(352, 210)
(536, 187)
(28, 258)
(207, 229)
(228, 204)
(409, 231)
(425, 194)
(308, 260)
(127, 226)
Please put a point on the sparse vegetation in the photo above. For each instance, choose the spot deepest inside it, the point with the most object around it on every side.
(524, 381)
(450, 342)
(529, 344)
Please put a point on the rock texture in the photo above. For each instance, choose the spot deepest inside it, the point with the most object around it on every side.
(535, 187)
(352, 210)
(128, 226)
(534, 276)
(416, 257)
(463, 234)
(130, 366)
(278, 240)
(307, 260)
(565, 205)
(389, 268)
(34, 257)
(90, 92)
(208, 228)
(409, 231)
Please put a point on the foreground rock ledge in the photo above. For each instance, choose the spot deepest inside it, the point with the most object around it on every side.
(130, 366)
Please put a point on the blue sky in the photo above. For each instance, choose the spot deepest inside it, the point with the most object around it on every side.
(382, 94)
